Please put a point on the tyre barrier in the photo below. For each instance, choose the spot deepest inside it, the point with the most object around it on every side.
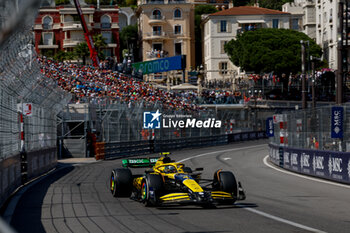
(328, 165)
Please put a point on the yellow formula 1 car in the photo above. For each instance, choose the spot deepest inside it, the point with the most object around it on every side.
(169, 182)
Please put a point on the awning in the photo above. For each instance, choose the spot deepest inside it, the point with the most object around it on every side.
(244, 21)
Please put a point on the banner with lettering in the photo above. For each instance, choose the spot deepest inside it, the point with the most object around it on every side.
(324, 164)
(337, 122)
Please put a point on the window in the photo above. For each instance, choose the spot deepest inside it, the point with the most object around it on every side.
(157, 30)
(177, 29)
(223, 67)
(177, 13)
(295, 24)
(178, 49)
(157, 47)
(223, 43)
(156, 14)
(47, 22)
(275, 23)
(48, 38)
(105, 21)
(107, 36)
(223, 26)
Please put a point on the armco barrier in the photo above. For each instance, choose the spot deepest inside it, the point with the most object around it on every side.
(324, 164)
(10, 169)
(125, 149)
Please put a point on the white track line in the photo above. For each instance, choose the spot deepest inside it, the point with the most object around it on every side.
(214, 152)
(280, 219)
(250, 208)
(304, 176)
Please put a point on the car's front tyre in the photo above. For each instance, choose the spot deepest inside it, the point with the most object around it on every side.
(121, 182)
(151, 188)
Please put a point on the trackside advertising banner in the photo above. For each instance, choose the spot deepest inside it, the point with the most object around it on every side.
(325, 164)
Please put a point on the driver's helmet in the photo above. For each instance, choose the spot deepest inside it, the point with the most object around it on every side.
(169, 169)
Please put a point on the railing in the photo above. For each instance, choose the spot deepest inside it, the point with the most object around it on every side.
(156, 54)
(125, 149)
(47, 26)
(157, 17)
(105, 25)
(73, 41)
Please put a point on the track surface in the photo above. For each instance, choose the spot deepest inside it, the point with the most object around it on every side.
(77, 199)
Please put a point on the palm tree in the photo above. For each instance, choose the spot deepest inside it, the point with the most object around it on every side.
(99, 42)
(82, 50)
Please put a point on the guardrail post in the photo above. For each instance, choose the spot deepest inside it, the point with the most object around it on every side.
(23, 153)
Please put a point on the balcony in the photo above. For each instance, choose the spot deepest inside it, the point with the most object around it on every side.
(156, 35)
(106, 25)
(73, 26)
(48, 44)
(160, 2)
(72, 42)
(156, 54)
(156, 19)
(177, 1)
(47, 26)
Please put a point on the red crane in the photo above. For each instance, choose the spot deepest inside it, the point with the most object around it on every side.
(88, 38)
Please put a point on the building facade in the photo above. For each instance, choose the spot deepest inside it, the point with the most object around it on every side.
(59, 28)
(320, 22)
(223, 26)
(167, 29)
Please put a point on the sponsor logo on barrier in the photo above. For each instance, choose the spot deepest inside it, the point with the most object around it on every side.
(294, 159)
(318, 162)
(304, 162)
(286, 158)
(157, 120)
(334, 167)
(349, 168)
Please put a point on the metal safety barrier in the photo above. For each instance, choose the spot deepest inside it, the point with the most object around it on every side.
(126, 149)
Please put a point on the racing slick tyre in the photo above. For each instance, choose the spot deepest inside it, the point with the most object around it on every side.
(151, 188)
(226, 181)
(121, 182)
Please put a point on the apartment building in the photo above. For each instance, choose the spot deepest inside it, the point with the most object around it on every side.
(223, 26)
(166, 28)
(59, 28)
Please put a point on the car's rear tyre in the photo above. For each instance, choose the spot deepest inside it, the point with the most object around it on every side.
(151, 189)
(121, 182)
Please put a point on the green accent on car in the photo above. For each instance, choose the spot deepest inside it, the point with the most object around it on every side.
(139, 162)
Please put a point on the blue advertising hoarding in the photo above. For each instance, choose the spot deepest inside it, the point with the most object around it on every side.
(324, 164)
(161, 65)
(337, 122)
(269, 127)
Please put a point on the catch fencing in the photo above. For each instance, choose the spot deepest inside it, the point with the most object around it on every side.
(308, 142)
(29, 103)
(311, 129)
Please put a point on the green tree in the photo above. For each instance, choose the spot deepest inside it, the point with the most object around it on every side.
(69, 56)
(129, 38)
(60, 56)
(267, 50)
(100, 43)
(198, 12)
(61, 2)
(82, 51)
(240, 2)
(273, 4)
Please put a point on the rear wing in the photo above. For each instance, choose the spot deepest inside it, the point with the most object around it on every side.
(140, 162)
